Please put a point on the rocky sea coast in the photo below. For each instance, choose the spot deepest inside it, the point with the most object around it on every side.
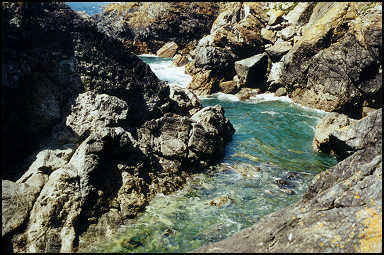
(92, 136)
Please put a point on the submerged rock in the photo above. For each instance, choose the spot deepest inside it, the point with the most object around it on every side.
(341, 211)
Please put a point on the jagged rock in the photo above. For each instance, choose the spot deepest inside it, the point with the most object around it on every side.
(111, 140)
(16, 203)
(328, 77)
(184, 101)
(204, 83)
(366, 110)
(278, 50)
(180, 60)
(338, 134)
(235, 35)
(274, 80)
(168, 50)
(154, 24)
(300, 14)
(228, 87)
(275, 16)
(339, 212)
(287, 33)
(252, 71)
(268, 35)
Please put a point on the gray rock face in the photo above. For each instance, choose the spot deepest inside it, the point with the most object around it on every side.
(252, 71)
(114, 143)
(339, 135)
(16, 203)
(329, 77)
(340, 211)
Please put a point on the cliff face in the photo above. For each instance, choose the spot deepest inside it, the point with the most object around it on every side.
(146, 27)
(91, 133)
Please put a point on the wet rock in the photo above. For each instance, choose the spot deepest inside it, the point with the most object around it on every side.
(246, 93)
(168, 50)
(281, 92)
(228, 87)
(292, 176)
(221, 201)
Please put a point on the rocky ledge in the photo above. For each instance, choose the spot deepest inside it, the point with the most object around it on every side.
(341, 211)
(91, 133)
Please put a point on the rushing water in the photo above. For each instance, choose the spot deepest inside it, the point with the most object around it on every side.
(272, 140)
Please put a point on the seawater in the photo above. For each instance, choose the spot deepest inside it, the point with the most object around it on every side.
(272, 140)
(89, 7)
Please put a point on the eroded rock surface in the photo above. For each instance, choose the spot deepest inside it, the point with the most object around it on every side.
(107, 134)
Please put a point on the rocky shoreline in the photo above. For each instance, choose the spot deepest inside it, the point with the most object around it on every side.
(91, 134)
(104, 134)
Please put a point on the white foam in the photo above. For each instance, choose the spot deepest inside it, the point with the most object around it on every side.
(269, 97)
(166, 72)
(147, 55)
(270, 112)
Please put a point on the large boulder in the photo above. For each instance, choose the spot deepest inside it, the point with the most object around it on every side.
(252, 71)
(341, 211)
(341, 136)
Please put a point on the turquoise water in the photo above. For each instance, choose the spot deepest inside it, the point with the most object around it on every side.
(272, 142)
(89, 7)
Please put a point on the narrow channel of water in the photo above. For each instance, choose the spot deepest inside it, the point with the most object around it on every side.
(267, 166)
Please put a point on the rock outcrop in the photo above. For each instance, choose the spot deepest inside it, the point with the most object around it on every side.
(103, 133)
(235, 35)
(341, 211)
(339, 54)
(146, 27)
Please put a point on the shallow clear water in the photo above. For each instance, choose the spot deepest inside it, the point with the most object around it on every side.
(272, 140)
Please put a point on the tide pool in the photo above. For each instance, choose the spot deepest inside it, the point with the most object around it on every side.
(267, 166)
